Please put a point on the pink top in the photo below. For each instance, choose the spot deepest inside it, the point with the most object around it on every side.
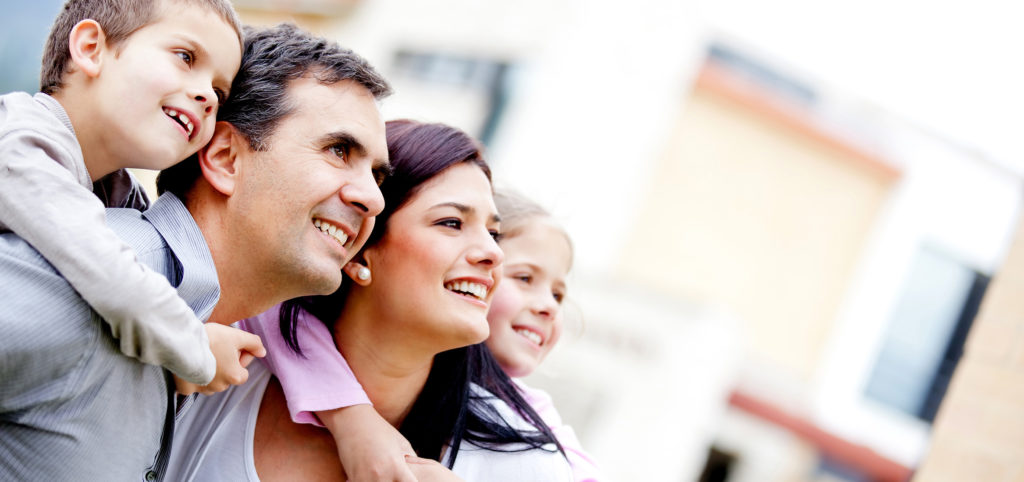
(584, 469)
(304, 377)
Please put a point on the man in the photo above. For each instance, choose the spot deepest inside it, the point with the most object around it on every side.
(292, 146)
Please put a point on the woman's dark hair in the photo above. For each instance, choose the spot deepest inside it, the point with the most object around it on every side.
(448, 410)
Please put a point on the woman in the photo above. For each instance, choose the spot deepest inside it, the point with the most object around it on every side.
(410, 323)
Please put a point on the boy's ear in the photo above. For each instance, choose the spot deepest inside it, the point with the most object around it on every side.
(87, 43)
(218, 160)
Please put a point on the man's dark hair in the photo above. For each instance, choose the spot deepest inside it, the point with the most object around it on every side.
(271, 59)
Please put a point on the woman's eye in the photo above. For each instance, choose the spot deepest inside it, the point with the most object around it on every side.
(221, 96)
(451, 223)
(185, 56)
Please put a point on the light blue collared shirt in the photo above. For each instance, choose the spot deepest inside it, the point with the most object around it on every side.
(72, 407)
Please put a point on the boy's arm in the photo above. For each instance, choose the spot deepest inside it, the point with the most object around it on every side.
(45, 205)
(320, 389)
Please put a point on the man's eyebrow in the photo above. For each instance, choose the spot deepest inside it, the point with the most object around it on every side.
(464, 209)
(343, 138)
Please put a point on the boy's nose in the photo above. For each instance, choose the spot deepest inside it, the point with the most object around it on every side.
(205, 103)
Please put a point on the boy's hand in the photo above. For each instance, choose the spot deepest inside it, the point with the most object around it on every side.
(427, 470)
(369, 447)
(234, 349)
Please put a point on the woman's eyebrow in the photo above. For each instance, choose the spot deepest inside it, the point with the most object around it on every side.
(464, 209)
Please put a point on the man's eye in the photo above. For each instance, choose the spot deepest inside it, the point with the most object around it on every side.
(341, 151)
(380, 175)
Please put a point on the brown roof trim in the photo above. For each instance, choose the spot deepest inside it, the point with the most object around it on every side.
(873, 465)
(720, 80)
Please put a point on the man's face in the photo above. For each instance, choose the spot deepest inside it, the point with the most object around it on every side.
(307, 203)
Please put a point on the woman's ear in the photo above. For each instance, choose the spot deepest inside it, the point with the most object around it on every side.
(218, 159)
(88, 44)
(359, 272)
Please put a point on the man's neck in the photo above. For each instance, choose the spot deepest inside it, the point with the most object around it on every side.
(241, 295)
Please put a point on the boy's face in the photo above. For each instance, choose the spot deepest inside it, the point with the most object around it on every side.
(159, 90)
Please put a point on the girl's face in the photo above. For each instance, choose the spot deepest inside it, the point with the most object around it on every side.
(525, 315)
(435, 268)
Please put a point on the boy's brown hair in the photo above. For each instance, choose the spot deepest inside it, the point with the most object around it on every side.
(119, 19)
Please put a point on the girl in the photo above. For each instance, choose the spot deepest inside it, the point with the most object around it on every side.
(525, 316)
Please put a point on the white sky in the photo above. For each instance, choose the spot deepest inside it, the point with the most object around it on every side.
(955, 67)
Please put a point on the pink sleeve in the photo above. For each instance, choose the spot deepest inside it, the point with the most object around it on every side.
(319, 379)
(584, 468)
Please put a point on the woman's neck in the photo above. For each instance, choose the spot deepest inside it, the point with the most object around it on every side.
(392, 373)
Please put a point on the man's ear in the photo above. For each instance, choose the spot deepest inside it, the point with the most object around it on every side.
(88, 45)
(219, 158)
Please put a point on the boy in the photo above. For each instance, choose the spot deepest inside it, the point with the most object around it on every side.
(125, 83)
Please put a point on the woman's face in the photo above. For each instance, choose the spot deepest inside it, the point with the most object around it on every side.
(525, 316)
(435, 268)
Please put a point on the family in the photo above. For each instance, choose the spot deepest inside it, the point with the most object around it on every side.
(316, 294)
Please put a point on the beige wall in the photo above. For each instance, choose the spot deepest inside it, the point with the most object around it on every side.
(979, 431)
(756, 215)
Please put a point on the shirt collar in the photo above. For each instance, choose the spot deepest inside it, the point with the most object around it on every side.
(174, 222)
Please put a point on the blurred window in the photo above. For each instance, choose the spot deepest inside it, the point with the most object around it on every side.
(926, 334)
(478, 88)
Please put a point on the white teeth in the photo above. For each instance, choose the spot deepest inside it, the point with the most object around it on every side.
(477, 290)
(529, 335)
(332, 230)
(180, 116)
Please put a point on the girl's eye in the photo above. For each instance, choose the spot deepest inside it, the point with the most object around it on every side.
(185, 56)
(495, 235)
(558, 297)
(525, 278)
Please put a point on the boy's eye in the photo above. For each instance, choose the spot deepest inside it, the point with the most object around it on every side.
(221, 96)
(185, 56)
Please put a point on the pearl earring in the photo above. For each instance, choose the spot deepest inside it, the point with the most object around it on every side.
(363, 273)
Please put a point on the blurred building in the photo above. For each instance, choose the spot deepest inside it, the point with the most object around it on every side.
(774, 280)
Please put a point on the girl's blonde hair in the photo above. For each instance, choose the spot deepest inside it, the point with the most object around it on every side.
(517, 211)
